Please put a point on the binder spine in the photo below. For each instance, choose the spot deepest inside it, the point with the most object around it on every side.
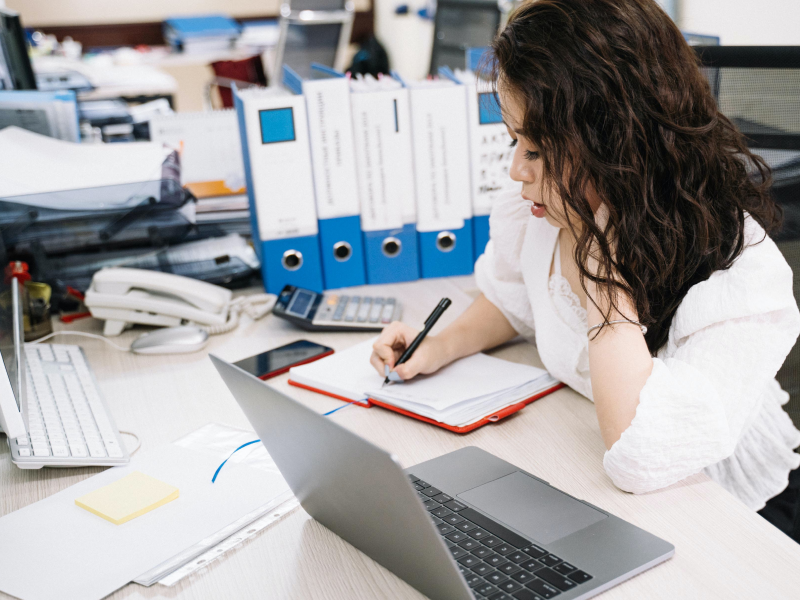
(447, 252)
(392, 255)
(248, 176)
(342, 251)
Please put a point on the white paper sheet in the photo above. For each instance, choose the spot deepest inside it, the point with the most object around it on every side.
(85, 557)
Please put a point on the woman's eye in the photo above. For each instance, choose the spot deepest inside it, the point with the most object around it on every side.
(531, 155)
(513, 142)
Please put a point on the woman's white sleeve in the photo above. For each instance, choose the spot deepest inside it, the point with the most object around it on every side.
(697, 403)
(497, 271)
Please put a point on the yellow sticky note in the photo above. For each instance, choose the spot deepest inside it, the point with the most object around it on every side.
(128, 498)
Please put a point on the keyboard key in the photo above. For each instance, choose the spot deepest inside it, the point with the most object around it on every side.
(491, 541)
(534, 551)
(22, 441)
(469, 561)
(556, 579)
(564, 568)
(473, 580)
(510, 586)
(545, 590)
(453, 519)
(509, 568)
(422, 483)
(550, 560)
(444, 528)
(436, 520)
(466, 526)
(501, 596)
(495, 529)
(431, 505)
(469, 544)
(457, 552)
(482, 552)
(502, 549)
(487, 589)
(479, 534)
(455, 506)
(456, 536)
(412, 478)
(496, 578)
(522, 577)
(443, 498)
(431, 491)
(531, 565)
(418, 487)
(580, 577)
(78, 450)
(41, 451)
(441, 511)
(524, 594)
(495, 560)
(62, 451)
(24, 451)
(482, 569)
(517, 556)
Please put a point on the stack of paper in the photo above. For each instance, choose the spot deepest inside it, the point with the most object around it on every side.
(462, 393)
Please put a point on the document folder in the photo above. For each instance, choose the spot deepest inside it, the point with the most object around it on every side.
(280, 189)
(381, 123)
(442, 170)
(330, 127)
(490, 153)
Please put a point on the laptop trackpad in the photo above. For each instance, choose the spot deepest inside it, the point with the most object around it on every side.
(533, 508)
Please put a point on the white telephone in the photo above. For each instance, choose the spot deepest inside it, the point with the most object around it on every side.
(122, 296)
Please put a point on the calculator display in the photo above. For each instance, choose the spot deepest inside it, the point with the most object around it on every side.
(301, 303)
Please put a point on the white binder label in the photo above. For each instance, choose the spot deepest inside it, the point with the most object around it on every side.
(490, 149)
(383, 155)
(277, 141)
(441, 157)
(333, 157)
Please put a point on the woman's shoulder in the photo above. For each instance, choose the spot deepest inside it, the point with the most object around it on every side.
(758, 282)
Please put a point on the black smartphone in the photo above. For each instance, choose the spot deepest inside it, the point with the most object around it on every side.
(279, 360)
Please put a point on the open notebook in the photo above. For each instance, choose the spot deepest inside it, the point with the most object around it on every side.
(462, 396)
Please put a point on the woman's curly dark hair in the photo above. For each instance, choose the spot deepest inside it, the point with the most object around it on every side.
(615, 101)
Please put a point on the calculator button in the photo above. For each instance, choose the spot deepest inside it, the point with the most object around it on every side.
(337, 316)
(363, 312)
(388, 311)
(352, 309)
(375, 313)
(332, 300)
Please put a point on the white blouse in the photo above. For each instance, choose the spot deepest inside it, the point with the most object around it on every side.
(711, 402)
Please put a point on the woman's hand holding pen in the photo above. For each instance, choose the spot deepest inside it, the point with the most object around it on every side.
(430, 356)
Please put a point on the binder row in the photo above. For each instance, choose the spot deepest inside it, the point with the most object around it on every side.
(370, 180)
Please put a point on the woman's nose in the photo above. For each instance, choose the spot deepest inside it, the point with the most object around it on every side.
(520, 167)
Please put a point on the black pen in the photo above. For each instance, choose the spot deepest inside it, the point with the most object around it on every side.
(429, 323)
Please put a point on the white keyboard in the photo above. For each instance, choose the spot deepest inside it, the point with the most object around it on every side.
(68, 424)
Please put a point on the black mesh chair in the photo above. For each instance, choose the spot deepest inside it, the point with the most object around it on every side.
(758, 88)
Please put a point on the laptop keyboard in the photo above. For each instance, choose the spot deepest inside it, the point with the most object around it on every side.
(497, 563)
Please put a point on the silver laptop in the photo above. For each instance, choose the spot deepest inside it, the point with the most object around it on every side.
(463, 525)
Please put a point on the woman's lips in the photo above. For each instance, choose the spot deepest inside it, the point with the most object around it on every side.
(538, 210)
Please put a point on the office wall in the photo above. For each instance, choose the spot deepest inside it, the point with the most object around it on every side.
(744, 22)
(93, 12)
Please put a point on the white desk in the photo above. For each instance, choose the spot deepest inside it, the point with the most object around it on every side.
(723, 550)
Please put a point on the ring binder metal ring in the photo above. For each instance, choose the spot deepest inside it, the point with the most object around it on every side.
(391, 247)
(446, 241)
(342, 251)
(292, 260)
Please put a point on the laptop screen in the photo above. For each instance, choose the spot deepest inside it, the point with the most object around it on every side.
(11, 336)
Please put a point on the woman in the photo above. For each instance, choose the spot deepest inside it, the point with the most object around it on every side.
(635, 254)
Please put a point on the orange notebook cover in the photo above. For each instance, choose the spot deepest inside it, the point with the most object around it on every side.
(493, 418)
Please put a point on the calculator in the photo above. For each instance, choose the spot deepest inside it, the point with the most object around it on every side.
(336, 312)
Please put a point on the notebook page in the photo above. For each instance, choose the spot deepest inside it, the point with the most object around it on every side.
(469, 378)
(348, 373)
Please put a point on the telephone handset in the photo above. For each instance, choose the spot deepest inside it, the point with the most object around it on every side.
(123, 296)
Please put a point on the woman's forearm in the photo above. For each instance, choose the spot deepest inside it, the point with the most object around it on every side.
(620, 365)
(480, 327)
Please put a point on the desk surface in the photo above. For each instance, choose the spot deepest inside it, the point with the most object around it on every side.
(723, 549)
